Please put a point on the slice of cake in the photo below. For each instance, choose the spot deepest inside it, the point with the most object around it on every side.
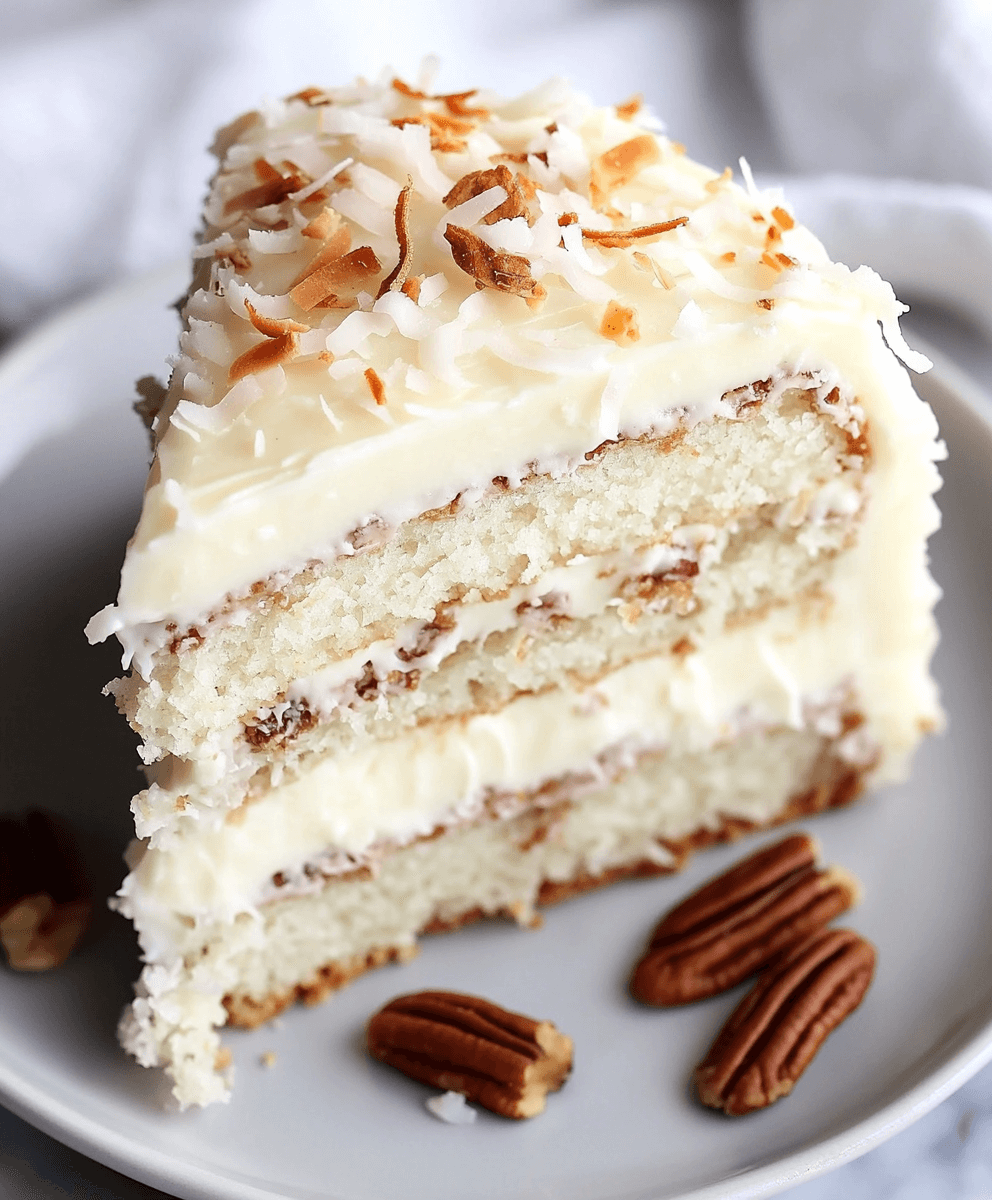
(530, 505)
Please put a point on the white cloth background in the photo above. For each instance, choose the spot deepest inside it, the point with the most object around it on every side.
(878, 113)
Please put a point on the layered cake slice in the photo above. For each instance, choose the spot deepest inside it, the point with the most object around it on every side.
(530, 504)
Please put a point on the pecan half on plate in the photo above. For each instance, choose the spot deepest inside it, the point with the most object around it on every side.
(504, 1061)
(773, 1034)
(739, 921)
(45, 905)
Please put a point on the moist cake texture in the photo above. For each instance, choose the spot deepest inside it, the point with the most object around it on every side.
(530, 505)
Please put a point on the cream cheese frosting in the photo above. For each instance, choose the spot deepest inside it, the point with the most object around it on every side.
(441, 774)
(289, 425)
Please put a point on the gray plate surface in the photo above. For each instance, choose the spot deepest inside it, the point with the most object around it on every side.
(325, 1121)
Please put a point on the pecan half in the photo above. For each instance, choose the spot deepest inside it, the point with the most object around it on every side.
(44, 898)
(489, 267)
(780, 1024)
(504, 1061)
(739, 921)
(477, 182)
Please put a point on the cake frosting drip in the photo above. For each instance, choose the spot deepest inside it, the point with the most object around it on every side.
(400, 298)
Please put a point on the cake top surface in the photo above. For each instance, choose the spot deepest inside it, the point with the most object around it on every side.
(399, 295)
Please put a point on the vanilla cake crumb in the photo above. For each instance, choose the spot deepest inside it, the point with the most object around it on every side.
(452, 1108)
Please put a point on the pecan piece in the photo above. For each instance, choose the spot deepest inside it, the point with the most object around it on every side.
(489, 267)
(738, 922)
(44, 898)
(773, 1034)
(477, 182)
(502, 1060)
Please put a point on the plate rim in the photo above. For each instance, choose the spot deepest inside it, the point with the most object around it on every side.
(155, 1168)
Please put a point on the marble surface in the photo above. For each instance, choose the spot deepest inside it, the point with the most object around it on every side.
(945, 1156)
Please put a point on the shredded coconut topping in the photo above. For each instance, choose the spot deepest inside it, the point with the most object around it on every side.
(451, 251)
(300, 225)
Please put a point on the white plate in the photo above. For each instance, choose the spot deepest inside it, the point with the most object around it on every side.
(327, 1122)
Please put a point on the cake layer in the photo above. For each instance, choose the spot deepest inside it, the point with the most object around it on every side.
(765, 563)
(786, 446)
(798, 665)
(643, 822)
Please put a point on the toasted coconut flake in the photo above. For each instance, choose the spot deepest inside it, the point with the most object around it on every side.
(783, 218)
(449, 124)
(269, 353)
(569, 218)
(772, 234)
(313, 96)
(623, 238)
(477, 182)
(766, 303)
(273, 189)
(617, 167)
(786, 261)
(376, 386)
(447, 133)
(265, 172)
(630, 108)
(411, 287)
(349, 270)
(444, 130)
(455, 102)
(507, 156)
(401, 217)
(714, 185)
(729, 257)
(272, 327)
(619, 324)
(336, 247)
(769, 261)
(322, 225)
(404, 89)
(325, 356)
(489, 267)
(281, 344)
